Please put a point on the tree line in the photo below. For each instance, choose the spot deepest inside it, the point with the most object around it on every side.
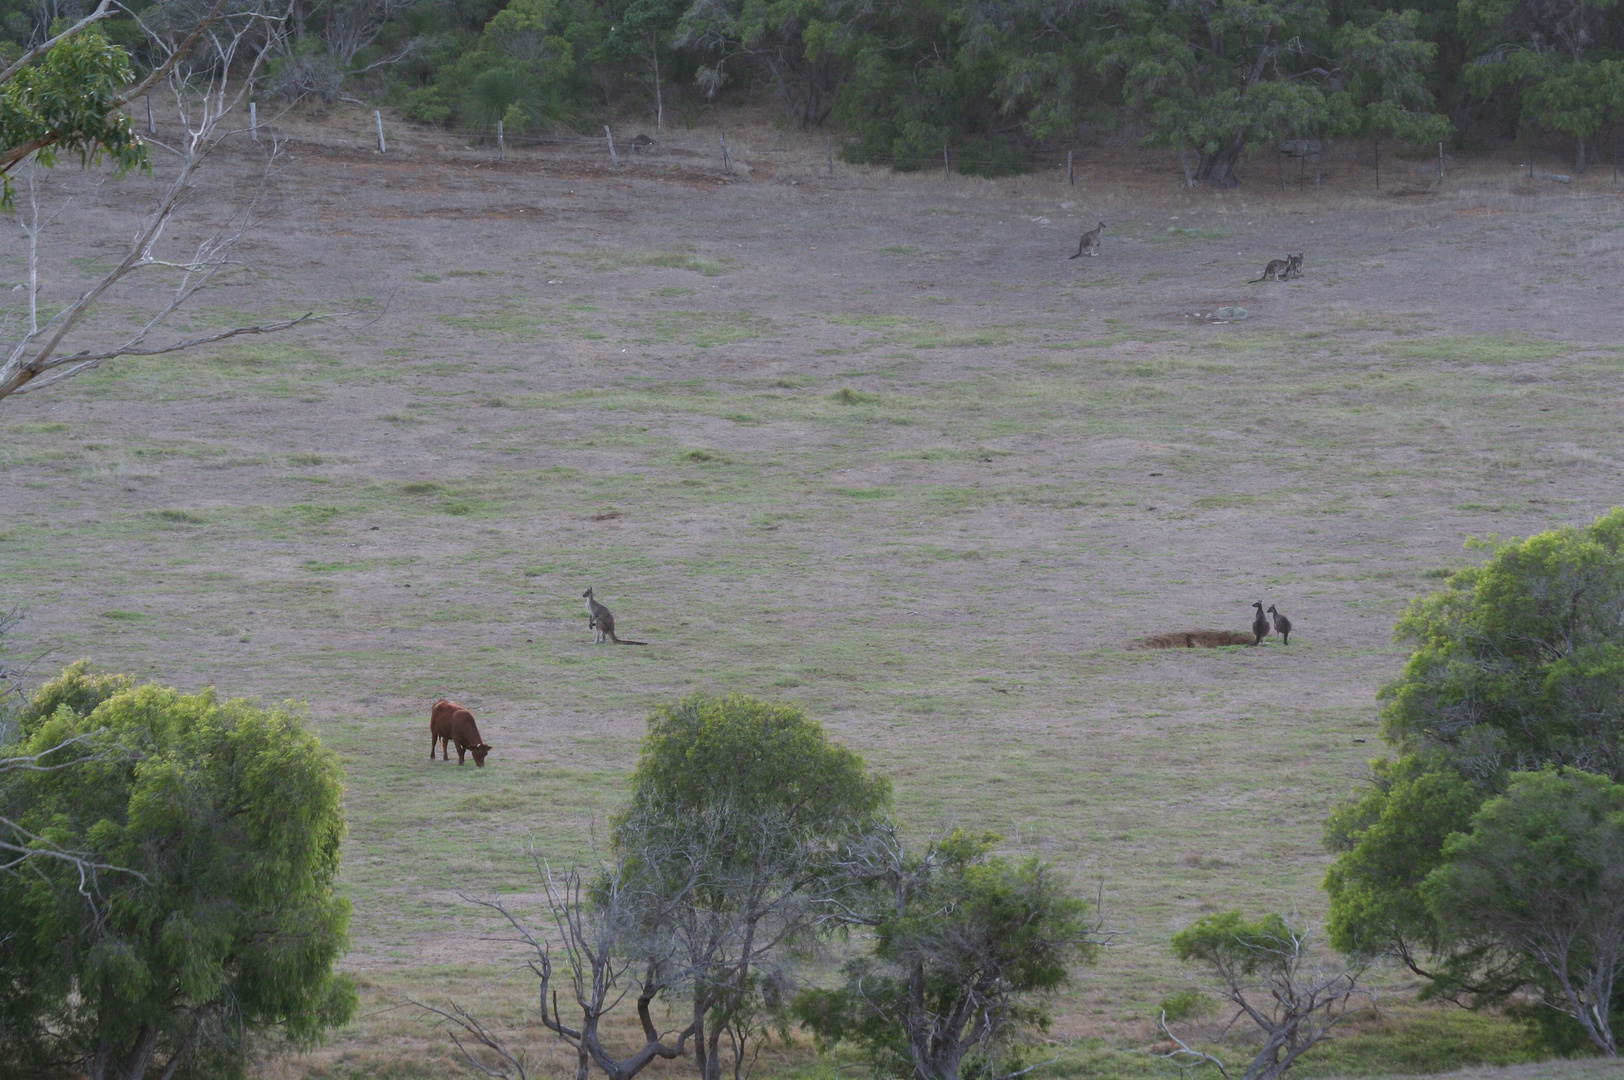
(901, 79)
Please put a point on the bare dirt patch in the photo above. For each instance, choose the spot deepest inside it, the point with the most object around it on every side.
(1198, 639)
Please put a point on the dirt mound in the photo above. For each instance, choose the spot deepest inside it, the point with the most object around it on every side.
(1197, 639)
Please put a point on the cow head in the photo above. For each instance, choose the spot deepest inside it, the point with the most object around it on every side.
(479, 751)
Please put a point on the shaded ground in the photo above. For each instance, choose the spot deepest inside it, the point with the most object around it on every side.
(868, 442)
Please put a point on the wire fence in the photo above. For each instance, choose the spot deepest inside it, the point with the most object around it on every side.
(1293, 165)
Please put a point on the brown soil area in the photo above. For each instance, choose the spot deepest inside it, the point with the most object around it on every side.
(1198, 639)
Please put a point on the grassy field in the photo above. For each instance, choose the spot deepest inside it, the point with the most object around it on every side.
(866, 442)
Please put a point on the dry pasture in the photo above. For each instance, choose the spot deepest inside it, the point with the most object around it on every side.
(868, 442)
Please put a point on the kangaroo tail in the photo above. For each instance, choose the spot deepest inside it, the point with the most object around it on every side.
(1254, 281)
(623, 641)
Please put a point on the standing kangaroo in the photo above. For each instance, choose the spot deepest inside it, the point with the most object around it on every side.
(1282, 625)
(599, 619)
(1090, 243)
(1260, 625)
(1277, 270)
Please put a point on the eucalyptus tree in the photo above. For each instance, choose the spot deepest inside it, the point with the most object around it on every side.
(742, 808)
(1517, 664)
(1218, 77)
(222, 929)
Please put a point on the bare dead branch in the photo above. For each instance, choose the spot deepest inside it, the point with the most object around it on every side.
(204, 100)
(1185, 1050)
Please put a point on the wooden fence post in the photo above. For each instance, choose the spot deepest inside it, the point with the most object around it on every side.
(829, 151)
(377, 118)
(501, 143)
(614, 158)
(946, 169)
(1378, 164)
(1440, 164)
(152, 130)
(1071, 173)
(727, 159)
(253, 120)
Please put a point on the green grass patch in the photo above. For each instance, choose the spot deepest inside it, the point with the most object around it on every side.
(847, 396)
(123, 616)
(1482, 349)
(183, 517)
(701, 329)
(1222, 502)
(670, 259)
(1436, 1042)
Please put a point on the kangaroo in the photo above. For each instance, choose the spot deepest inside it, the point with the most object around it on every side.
(1295, 267)
(1282, 626)
(1090, 243)
(1277, 270)
(599, 619)
(1260, 625)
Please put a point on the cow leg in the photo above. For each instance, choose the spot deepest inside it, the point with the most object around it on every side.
(433, 738)
(460, 750)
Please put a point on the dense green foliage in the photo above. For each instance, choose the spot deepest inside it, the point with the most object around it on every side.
(1542, 870)
(1518, 665)
(67, 101)
(219, 925)
(964, 945)
(730, 844)
(992, 84)
(769, 761)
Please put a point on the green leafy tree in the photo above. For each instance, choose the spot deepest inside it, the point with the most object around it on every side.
(1266, 970)
(646, 33)
(224, 925)
(1542, 870)
(922, 75)
(1517, 664)
(524, 59)
(1220, 76)
(1579, 97)
(1543, 52)
(965, 945)
(738, 811)
(65, 98)
(792, 43)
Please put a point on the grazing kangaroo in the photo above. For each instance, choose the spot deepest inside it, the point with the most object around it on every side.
(1295, 267)
(1282, 626)
(1090, 243)
(599, 619)
(1260, 625)
(1277, 270)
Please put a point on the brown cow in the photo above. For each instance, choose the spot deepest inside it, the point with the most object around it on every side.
(451, 723)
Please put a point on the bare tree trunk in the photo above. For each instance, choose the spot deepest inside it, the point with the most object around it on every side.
(1218, 169)
(1580, 162)
(659, 100)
